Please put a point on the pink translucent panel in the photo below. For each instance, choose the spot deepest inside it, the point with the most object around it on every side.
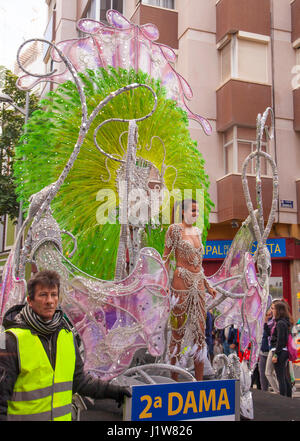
(114, 319)
(12, 290)
(248, 312)
(125, 45)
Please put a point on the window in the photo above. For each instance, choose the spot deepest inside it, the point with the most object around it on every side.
(110, 4)
(276, 287)
(226, 63)
(236, 150)
(252, 61)
(298, 56)
(98, 8)
(49, 33)
(161, 3)
(296, 71)
(245, 58)
(246, 147)
(91, 12)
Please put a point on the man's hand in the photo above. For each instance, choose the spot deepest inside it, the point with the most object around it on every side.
(124, 392)
(117, 393)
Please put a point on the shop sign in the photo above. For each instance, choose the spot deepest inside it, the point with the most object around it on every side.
(200, 400)
(218, 249)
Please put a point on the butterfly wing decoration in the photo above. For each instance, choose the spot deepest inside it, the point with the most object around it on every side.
(247, 307)
(13, 290)
(113, 319)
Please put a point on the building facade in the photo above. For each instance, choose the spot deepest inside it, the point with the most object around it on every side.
(238, 61)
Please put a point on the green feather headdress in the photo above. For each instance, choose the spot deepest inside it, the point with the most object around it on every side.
(52, 132)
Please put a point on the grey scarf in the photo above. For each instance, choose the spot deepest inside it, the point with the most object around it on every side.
(34, 321)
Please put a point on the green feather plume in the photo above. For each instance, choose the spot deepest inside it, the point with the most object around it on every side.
(52, 132)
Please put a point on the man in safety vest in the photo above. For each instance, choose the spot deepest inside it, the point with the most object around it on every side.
(41, 366)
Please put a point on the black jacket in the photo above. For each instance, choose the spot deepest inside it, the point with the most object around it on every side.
(83, 383)
(266, 338)
(280, 334)
(232, 336)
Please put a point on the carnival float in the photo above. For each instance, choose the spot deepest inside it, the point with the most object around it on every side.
(116, 126)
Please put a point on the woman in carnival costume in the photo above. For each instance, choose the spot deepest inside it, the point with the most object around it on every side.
(188, 286)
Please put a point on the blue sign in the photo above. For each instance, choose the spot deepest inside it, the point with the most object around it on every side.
(218, 249)
(218, 399)
(286, 204)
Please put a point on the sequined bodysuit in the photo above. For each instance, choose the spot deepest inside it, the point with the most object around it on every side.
(188, 318)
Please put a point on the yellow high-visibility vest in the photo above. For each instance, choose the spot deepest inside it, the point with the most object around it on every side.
(41, 393)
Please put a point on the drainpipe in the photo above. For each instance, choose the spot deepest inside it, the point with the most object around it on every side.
(273, 104)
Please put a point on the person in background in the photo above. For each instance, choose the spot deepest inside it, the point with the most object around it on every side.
(218, 347)
(279, 350)
(290, 366)
(229, 337)
(269, 370)
(264, 351)
(209, 335)
(41, 366)
(255, 379)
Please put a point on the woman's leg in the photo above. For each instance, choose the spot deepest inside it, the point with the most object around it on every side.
(177, 324)
(270, 373)
(289, 386)
(199, 361)
(174, 349)
(178, 319)
(262, 369)
(280, 369)
(199, 369)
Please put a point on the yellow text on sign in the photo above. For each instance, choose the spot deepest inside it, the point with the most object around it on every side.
(205, 401)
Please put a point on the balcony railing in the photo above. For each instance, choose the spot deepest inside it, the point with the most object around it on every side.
(296, 102)
(231, 200)
(166, 21)
(242, 15)
(239, 102)
(295, 16)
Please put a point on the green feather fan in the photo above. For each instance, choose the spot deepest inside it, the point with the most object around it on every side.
(52, 132)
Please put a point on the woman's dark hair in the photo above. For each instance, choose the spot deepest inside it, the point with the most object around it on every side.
(289, 311)
(46, 278)
(281, 310)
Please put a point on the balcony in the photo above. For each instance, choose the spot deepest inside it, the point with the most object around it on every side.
(239, 102)
(295, 15)
(166, 21)
(296, 100)
(298, 199)
(238, 15)
(231, 199)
